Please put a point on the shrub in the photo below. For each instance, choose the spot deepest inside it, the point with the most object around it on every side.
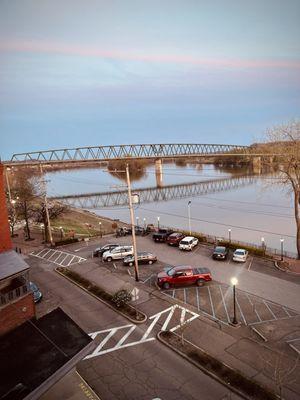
(65, 241)
(121, 297)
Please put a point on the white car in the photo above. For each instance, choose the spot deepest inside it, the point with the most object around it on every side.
(118, 253)
(240, 255)
(188, 243)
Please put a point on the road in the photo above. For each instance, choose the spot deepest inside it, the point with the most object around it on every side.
(141, 370)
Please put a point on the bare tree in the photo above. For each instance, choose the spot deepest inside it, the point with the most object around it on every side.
(284, 140)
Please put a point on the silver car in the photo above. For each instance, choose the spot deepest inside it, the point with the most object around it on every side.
(118, 253)
(240, 255)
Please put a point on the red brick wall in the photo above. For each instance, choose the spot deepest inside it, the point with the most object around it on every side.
(5, 241)
(14, 314)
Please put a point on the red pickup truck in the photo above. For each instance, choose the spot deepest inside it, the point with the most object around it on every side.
(183, 275)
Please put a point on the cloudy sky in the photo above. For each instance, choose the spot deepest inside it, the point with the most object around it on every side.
(93, 72)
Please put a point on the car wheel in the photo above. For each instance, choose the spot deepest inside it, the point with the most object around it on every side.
(200, 282)
(109, 259)
(166, 285)
(150, 262)
(130, 264)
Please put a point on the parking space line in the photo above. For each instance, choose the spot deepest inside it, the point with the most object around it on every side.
(241, 312)
(44, 255)
(147, 279)
(173, 294)
(53, 252)
(286, 311)
(253, 307)
(61, 263)
(211, 302)
(250, 264)
(71, 261)
(38, 254)
(54, 261)
(223, 300)
(184, 295)
(266, 304)
(168, 319)
(197, 296)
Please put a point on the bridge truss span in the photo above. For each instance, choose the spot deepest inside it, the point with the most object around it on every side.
(136, 151)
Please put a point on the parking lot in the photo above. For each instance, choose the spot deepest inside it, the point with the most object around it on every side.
(61, 258)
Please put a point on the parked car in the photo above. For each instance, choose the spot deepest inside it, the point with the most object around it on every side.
(123, 231)
(118, 253)
(174, 238)
(240, 255)
(143, 258)
(183, 275)
(37, 294)
(100, 250)
(220, 253)
(161, 235)
(188, 243)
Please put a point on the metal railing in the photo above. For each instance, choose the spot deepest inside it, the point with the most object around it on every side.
(6, 298)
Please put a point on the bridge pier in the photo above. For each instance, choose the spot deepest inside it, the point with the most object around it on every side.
(256, 165)
(159, 172)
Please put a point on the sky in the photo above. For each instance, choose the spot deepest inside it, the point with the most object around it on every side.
(79, 73)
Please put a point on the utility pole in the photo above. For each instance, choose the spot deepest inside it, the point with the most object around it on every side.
(46, 205)
(8, 185)
(136, 267)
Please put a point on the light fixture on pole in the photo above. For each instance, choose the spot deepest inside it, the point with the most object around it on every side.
(263, 244)
(158, 222)
(229, 235)
(100, 228)
(281, 248)
(137, 221)
(144, 220)
(234, 282)
(61, 232)
(189, 216)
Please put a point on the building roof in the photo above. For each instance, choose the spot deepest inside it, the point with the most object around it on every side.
(11, 264)
(33, 352)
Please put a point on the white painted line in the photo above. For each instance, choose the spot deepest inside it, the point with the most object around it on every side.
(71, 260)
(148, 331)
(173, 294)
(122, 340)
(53, 252)
(44, 255)
(266, 304)
(286, 311)
(223, 300)
(253, 307)
(104, 341)
(241, 312)
(114, 265)
(149, 277)
(55, 261)
(122, 347)
(259, 334)
(211, 303)
(250, 264)
(293, 340)
(168, 319)
(184, 295)
(61, 262)
(37, 254)
(197, 295)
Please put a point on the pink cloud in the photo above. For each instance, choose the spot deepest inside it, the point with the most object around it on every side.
(79, 50)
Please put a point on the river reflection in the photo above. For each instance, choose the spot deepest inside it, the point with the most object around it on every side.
(252, 210)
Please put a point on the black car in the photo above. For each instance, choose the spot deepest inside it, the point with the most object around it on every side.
(143, 258)
(100, 250)
(220, 253)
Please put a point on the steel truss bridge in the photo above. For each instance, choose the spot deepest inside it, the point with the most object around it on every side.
(133, 151)
(151, 194)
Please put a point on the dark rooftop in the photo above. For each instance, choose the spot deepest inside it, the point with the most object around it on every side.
(11, 264)
(34, 351)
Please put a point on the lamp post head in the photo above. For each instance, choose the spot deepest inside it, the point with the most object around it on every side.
(100, 223)
(234, 281)
(229, 230)
(262, 239)
(157, 218)
(282, 240)
(189, 203)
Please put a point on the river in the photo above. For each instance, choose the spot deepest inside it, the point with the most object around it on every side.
(253, 208)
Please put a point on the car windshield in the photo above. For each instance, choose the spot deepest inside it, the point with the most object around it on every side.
(184, 242)
(220, 250)
(33, 287)
(171, 271)
(239, 253)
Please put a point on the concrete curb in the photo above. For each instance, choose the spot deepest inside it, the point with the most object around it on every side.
(203, 369)
(285, 270)
(107, 304)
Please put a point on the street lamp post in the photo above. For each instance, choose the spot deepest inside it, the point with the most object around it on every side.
(281, 246)
(158, 222)
(263, 244)
(234, 282)
(61, 232)
(43, 232)
(144, 220)
(100, 229)
(189, 216)
(137, 221)
(229, 235)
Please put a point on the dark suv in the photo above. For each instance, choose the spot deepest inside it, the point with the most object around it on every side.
(100, 250)
(220, 253)
(161, 235)
(175, 238)
(183, 275)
